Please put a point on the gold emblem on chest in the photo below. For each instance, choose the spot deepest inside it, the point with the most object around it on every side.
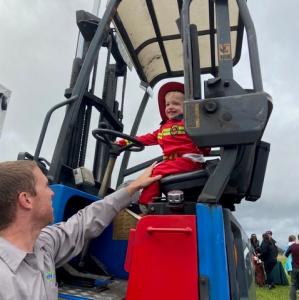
(174, 130)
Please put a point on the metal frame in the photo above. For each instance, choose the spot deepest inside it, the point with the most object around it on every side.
(126, 157)
(223, 85)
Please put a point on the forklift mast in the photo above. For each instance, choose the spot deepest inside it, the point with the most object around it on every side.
(70, 149)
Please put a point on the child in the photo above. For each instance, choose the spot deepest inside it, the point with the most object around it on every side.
(180, 154)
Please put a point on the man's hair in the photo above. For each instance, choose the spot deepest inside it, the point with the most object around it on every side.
(15, 177)
(292, 238)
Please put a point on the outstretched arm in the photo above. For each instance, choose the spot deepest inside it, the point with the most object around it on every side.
(65, 240)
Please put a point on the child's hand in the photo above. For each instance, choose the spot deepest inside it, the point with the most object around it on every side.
(122, 142)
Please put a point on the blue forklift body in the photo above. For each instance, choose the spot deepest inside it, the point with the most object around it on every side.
(213, 262)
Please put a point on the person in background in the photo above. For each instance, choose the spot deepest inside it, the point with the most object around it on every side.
(294, 250)
(257, 262)
(288, 264)
(269, 232)
(269, 257)
(30, 250)
(255, 243)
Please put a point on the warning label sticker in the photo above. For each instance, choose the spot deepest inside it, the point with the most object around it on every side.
(224, 51)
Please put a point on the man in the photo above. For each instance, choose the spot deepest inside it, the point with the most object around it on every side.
(294, 250)
(29, 249)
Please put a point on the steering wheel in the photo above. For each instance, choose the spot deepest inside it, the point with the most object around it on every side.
(103, 134)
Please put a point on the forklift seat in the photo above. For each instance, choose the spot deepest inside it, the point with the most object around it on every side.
(246, 179)
(190, 180)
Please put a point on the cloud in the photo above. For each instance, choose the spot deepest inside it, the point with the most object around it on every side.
(266, 214)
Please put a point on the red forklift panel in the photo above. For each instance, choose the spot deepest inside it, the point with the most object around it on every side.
(162, 259)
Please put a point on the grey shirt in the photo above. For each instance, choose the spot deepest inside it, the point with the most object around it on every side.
(32, 275)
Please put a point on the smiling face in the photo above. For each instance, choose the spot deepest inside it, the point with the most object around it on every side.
(174, 104)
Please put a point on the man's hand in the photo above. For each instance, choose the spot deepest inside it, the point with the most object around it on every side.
(143, 180)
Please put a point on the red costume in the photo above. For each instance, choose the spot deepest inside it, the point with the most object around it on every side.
(180, 153)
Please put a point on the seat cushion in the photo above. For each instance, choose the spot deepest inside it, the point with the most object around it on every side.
(183, 181)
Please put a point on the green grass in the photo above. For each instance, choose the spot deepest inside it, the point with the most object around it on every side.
(279, 293)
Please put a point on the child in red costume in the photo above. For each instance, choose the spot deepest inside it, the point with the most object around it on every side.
(180, 154)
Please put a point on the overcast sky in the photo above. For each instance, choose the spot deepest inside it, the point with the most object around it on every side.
(38, 41)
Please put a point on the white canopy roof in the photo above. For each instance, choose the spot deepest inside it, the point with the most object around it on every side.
(151, 35)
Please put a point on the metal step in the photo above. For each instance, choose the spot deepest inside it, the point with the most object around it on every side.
(114, 291)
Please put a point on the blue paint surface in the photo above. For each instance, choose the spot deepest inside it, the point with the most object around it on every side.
(111, 253)
(212, 250)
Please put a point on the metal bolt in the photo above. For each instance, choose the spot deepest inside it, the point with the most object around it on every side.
(210, 106)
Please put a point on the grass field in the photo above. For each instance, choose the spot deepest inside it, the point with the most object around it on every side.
(279, 293)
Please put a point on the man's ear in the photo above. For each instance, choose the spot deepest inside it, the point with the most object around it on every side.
(25, 200)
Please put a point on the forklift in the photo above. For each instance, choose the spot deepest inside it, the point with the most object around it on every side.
(189, 245)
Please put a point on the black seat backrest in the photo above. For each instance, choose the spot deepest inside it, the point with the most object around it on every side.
(258, 173)
(241, 175)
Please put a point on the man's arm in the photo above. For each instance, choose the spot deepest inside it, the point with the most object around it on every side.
(66, 239)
